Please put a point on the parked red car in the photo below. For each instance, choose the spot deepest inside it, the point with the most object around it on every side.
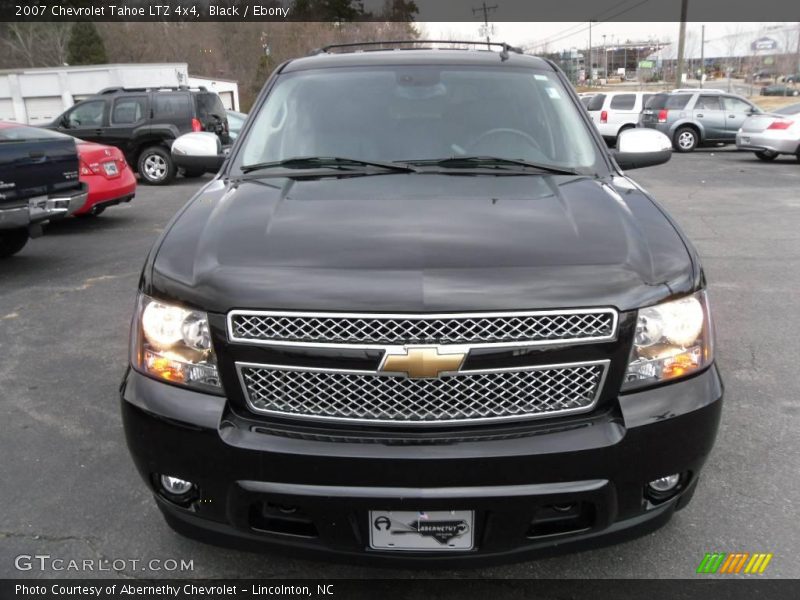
(110, 179)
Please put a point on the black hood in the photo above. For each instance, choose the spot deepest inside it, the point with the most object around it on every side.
(421, 243)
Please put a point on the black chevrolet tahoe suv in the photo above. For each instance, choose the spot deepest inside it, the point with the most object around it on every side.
(143, 123)
(422, 316)
(39, 183)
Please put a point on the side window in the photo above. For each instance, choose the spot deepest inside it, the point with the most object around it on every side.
(127, 111)
(171, 106)
(623, 102)
(596, 102)
(88, 114)
(646, 99)
(708, 103)
(735, 105)
(677, 101)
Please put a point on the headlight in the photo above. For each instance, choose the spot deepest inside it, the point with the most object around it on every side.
(672, 340)
(173, 344)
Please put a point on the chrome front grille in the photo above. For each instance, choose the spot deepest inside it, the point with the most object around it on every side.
(466, 397)
(475, 329)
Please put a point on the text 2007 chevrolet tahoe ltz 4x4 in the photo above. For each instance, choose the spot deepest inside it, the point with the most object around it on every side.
(421, 316)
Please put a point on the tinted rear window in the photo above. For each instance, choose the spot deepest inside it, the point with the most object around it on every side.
(209, 104)
(677, 101)
(596, 103)
(171, 106)
(658, 101)
(623, 102)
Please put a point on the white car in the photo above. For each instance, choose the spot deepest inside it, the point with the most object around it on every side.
(613, 112)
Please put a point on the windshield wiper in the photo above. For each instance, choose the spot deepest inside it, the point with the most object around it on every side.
(471, 162)
(327, 162)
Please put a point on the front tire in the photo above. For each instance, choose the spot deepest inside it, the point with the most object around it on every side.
(155, 166)
(12, 241)
(685, 140)
(766, 156)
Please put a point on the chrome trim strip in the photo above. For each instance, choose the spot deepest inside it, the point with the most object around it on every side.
(442, 423)
(495, 491)
(424, 316)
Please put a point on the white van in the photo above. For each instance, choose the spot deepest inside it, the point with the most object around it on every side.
(612, 112)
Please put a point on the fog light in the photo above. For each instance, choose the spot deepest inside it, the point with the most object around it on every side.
(664, 484)
(175, 486)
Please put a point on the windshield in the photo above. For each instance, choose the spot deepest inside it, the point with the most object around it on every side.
(393, 114)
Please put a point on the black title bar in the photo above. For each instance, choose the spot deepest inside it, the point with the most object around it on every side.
(397, 10)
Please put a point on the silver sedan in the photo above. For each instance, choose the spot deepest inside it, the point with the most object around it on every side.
(772, 134)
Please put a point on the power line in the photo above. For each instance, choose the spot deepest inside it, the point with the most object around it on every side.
(581, 24)
(615, 15)
(485, 10)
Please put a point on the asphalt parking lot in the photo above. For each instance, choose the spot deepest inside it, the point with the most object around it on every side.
(69, 488)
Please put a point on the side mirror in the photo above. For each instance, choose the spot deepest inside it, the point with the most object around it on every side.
(198, 151)
(638, 148)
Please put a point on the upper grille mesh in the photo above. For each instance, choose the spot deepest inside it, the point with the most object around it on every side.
(382, 329)
(463, 397)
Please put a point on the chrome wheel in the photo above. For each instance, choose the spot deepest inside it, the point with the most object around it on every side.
(686, 140)
(155, 167)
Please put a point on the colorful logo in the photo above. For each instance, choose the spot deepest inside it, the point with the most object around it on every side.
(734, 563)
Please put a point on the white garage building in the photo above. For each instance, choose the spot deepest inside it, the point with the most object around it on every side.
(36, 96)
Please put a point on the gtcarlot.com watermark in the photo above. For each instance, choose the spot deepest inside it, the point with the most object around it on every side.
(48, 563)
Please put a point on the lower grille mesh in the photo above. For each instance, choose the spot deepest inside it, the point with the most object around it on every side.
(387, 399)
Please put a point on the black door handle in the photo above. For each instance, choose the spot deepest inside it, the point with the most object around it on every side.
(699, 116)
(36, 154)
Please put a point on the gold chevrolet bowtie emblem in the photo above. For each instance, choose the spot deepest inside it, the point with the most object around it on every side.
(423, 362)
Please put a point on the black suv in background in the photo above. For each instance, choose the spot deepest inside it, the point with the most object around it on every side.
(143, 123)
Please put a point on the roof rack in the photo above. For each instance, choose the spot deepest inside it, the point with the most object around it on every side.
(505, 48)
(692, 90)
(117, 90)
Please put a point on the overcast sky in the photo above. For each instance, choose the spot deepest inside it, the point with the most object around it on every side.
(566, 35)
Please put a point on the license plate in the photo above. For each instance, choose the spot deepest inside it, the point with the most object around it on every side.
(110, 168)
(438, 530)
(37, 206)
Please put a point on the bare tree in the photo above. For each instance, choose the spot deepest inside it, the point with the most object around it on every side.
(35, 44)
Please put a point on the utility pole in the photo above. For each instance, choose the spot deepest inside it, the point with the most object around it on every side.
(798, 48)
(605, 58)
(591, 70)
(681, 43)
(625, 59)
(485, 10)
(702, 53)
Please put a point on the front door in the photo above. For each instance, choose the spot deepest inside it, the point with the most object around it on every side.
(708, 112)
(736, 111)
(85, 121)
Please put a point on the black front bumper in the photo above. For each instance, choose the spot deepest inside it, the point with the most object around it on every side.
(261, 488)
